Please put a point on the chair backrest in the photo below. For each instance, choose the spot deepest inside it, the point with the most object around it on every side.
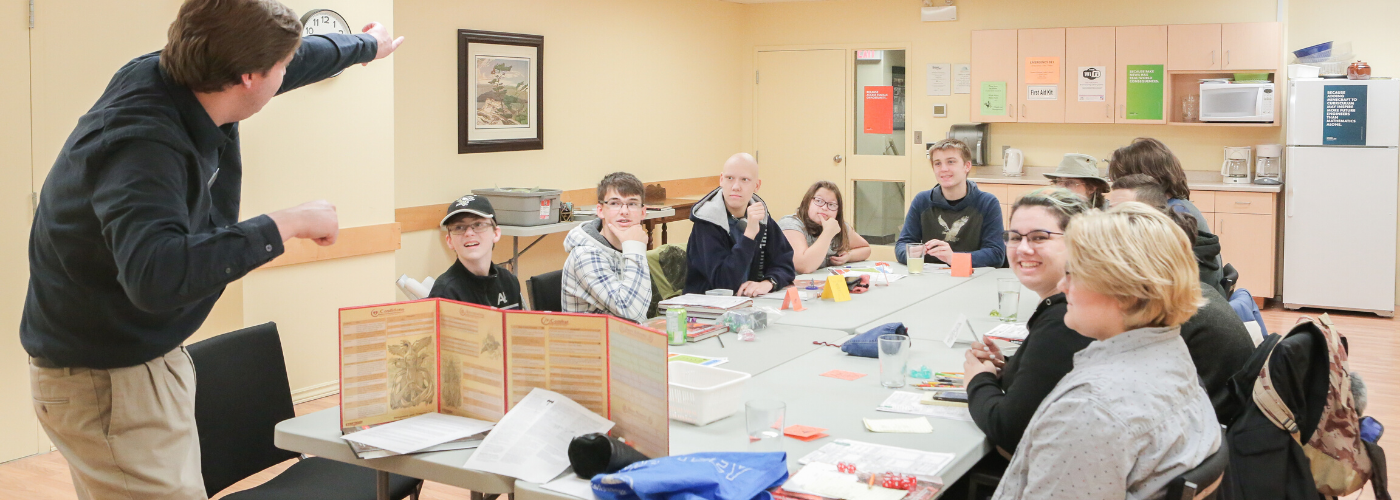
(241, 393)
(1202, 482)
(546, 291)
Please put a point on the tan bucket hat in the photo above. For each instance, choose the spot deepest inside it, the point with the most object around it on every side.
(1078, 166)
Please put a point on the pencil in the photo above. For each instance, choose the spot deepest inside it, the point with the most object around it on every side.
(871, 483)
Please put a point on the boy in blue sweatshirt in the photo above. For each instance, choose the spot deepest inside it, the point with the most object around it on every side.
(734, 244)
(954, 216)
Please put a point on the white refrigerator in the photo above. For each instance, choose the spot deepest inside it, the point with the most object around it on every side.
(1340, 194)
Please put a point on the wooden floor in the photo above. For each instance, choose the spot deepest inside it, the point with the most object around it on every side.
(1375, 349)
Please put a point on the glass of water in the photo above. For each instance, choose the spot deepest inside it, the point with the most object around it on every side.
(915, 258)
(894, 360)
(1008, 299)
(765, 423)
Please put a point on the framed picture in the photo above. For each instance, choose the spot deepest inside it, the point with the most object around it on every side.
(500, 105)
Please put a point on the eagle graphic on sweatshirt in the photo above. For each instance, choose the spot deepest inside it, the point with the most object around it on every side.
(950, 233)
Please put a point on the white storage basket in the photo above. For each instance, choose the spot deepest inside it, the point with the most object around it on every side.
(704, 394)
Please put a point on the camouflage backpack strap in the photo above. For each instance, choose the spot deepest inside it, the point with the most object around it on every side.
(1268, 401)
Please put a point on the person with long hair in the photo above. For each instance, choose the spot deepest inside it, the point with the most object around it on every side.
(1150, 157)
(818, 231)
(1131, 415)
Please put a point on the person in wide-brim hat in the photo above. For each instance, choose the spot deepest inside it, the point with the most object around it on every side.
(1079, 173)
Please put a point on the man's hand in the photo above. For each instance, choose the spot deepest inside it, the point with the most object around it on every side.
(754, 288)
(940, 250)
(313, 220)
(633, 233)
(381, 35)
(757, 214)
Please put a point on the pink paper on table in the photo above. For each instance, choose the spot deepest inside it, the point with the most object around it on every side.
(802, 431)
(843, 374)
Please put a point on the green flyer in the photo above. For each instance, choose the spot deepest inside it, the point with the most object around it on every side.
(1145, 91)
(994, 98)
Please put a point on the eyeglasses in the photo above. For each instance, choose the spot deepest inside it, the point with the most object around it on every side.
(479, 227)
(1037, 237)
(829, 205)
(617, 205)
(1068, 183)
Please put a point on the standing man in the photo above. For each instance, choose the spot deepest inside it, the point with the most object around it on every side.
(137, 235)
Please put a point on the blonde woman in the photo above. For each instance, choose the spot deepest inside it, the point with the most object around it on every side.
(1131, 416)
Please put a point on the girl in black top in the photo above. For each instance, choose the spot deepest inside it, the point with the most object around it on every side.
(1002, 403)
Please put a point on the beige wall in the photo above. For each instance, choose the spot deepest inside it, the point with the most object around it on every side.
(19, 435)
(648, 87)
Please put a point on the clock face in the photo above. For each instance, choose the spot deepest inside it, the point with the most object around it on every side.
(323, 21)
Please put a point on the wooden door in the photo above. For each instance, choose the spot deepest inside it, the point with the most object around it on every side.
(1247, 242)
(1250, 46)
(800, 111)
(1136, 45)
(994, 62)
(1042, 93)
(1193, 47)
(1087, 50)
(19, 430)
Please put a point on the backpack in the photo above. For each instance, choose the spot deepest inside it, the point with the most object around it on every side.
(1339, 460)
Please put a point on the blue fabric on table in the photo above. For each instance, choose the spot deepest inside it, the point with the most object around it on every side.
(698, 476)
(868, 344)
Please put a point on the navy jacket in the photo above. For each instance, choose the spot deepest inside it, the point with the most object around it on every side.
(973, 225)
(720, 256)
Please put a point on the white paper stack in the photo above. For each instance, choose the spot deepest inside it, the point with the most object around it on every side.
(415, 434)
(532, 441)
(706, 308)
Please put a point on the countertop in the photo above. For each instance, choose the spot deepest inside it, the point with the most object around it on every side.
(1195, 179)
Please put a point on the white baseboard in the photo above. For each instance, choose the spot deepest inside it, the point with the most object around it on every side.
(317, 391)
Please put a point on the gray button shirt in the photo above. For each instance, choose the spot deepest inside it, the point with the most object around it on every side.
(1128, 419)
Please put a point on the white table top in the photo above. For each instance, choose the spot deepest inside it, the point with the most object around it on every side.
(876, 303)
(932, 317)
(560, 227)
(776, 345)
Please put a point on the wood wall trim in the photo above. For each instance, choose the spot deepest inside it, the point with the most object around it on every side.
(351, 242)
(425, 217)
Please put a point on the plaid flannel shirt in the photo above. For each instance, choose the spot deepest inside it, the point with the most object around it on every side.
(599, 279)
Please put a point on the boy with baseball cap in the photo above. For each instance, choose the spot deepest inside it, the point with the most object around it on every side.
(471, 232)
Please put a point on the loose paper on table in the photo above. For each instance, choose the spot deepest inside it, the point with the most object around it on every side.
(697, 359)
(572, 485)
(416, 433)
(908, 402)
(916, 425)
(824, 480)
(872, 457)
(532, 441)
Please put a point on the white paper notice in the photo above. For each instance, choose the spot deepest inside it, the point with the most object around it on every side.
(415, 433)
(532, 441)
(1091, 83)
(875, 457)
(1042, 92)
(572, 485)
(962, 78)
(908, 402)
(940, 79)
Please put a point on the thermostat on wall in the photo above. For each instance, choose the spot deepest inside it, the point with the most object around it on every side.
(940, 110)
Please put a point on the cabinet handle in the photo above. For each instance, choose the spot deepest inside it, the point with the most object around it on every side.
(1243, 202)
(1227, 58)
(1023, 110)
(1107, 110)
(1122, 110)
(1212, 58)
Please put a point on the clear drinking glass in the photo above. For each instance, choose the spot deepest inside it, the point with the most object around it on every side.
(894, 360)
(1008, 299)
(765, 423)
(915, 258)
(1189, 107)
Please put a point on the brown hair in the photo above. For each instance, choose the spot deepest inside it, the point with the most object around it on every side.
(1150, 157)
(1148, 190)
(213, 43)
(813, 227)
(961, 146)
(1060, 202)
(624, 183)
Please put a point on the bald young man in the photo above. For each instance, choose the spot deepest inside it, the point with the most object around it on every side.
(735, 245)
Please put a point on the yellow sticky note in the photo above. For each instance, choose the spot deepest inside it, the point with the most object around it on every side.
(836, 288)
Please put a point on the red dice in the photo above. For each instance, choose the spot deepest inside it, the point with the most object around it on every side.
(898, 481)
(846, 468)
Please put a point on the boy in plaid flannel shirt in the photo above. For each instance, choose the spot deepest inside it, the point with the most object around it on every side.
(607, 271)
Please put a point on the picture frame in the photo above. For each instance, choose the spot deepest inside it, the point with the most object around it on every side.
(500, 91)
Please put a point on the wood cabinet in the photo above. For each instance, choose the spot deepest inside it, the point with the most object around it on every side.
(1235, 46)
(1040, 75)
(1090, 48)
(994, 59)
(1193, 47)
(1135, 45)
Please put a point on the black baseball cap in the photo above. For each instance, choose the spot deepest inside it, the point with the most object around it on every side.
(469, 204)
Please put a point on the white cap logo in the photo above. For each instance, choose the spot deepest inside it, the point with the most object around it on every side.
(466, 199)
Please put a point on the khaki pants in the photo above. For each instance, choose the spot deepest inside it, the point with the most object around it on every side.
(128, 433)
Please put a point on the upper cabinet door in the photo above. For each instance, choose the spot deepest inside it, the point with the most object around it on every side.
(1089, 75)
(1250, 46)
(994, 67)
(1136, 45)
(1193, 47)
(1041, 75)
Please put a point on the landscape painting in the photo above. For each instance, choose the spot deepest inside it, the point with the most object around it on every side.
(502, 92)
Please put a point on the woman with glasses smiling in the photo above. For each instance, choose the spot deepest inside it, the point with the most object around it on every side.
(1002, 402)
(818, 231)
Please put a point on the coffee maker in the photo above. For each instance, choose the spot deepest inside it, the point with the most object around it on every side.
(1235, 170)
(1268, 164)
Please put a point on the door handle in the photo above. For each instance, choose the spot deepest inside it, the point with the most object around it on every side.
(836, 158)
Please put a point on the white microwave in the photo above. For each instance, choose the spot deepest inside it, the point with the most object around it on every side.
(1237, 102)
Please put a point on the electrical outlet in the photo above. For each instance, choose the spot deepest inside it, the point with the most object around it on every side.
(918, 136)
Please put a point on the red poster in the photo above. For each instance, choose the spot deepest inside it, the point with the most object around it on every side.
(879, 110)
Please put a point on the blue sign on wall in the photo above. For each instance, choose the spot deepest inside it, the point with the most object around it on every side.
(1344, 115)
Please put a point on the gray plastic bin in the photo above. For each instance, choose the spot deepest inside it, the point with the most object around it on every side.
(528, 208)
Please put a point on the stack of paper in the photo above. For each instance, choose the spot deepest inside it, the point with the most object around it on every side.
(916, 425)
(1013, 333)
(415, 434)
(908, 402)
(880, 458)
(824, 480)
(706, 308)
(697, 359)
(532, 441)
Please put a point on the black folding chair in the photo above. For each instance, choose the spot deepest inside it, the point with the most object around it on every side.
(546, 291)
(1202, 482)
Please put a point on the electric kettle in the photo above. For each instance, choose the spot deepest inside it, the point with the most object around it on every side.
(1013, 163)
